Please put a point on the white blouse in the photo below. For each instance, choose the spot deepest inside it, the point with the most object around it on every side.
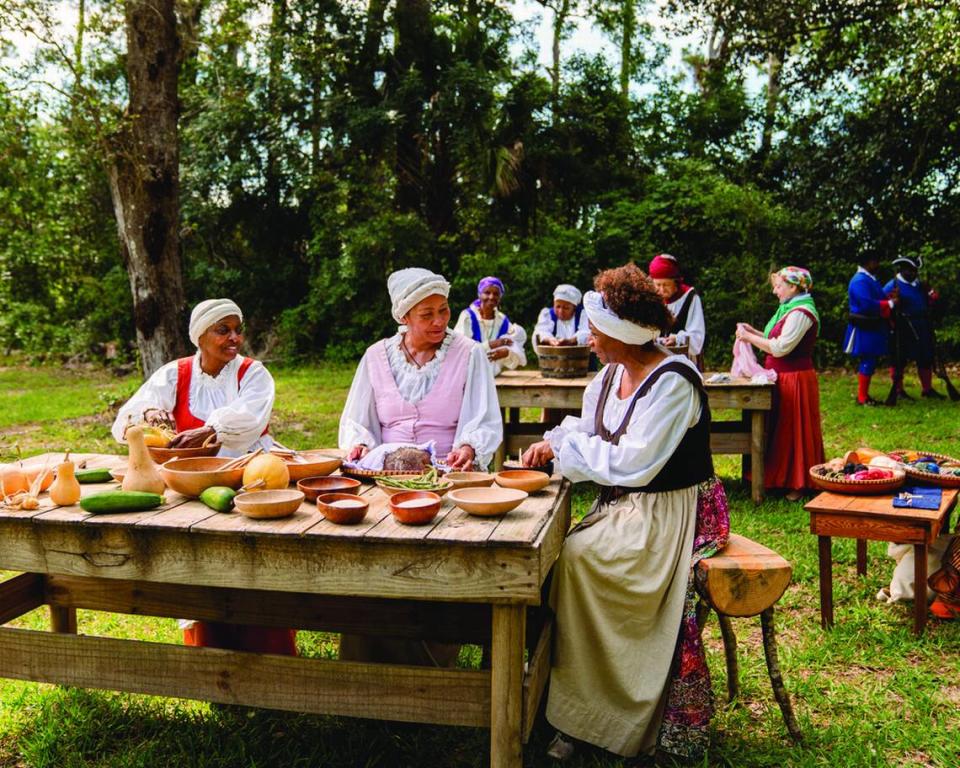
(239, 415)
(696, 331)
(658, 424)
(479, 425)
(794, 328)
(566, 329)
(516, 356)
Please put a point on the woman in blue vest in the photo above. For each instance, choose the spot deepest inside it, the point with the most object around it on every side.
(913, 326)
(483, 322)
(564, 324)
(869, 327)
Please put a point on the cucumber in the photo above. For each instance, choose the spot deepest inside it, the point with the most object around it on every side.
(218, 498)
(93, 475)
(108, 502)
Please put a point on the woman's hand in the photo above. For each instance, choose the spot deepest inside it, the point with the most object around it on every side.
(538, 454)
(461, 458)
(192, 438)
(157, 417)
(357, 452)
(503, 341)
(669, 341)
(497, 354)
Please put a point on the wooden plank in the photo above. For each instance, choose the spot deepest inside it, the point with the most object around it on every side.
(540, 397)
(390, 692)
(506, 687)
(538, 673)
(461, 526)
(20, 595)
(296, 524)
(180, 517)
(173, 500)
(872, 529)
(551, 537)
(743, 579)
(390, 529)
(753, 398)
(376, 512)
(446, 622)
(526, 521)
(730, 442)
(757, 446)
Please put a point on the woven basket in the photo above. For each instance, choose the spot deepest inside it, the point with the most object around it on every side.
(858, 487)
(368, 474)
(944, 481)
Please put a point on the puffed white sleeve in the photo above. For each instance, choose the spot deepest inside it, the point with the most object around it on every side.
(696, 331)
(582, 423)
(517, 353)
(794, 328)
(464, 327)
(359, 421)
(159, 391)
(583, 329)
(650, 440)
(544, 327)
(240, 423)
(480, 425)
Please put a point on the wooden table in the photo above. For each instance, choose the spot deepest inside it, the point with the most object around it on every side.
(874, 518)
(459, 579)
(746, 436)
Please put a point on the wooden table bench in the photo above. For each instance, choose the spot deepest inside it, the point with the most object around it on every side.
(746, 436)
(458, 579)
(874, 518)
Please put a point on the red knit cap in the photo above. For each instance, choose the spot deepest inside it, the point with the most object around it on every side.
(664, 267)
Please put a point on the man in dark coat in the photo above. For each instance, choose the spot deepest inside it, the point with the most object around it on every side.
(868, 329)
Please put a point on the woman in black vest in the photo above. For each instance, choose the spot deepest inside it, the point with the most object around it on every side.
(620, 585)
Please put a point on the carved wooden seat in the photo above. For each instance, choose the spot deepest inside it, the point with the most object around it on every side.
(746, 579)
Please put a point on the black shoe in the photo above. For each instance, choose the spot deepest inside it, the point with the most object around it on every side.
(871, 402)
(904, 396)
(932, 394)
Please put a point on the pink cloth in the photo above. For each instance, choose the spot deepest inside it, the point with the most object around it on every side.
(436, 416)
(745, 362)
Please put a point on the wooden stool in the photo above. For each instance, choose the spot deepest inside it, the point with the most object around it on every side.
(746, 579)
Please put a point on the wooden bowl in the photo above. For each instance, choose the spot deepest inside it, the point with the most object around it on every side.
(415, 507)
(858, 487)
(191, 477)
(487, 502)
(469, 479)
(529, 480)
(163, 455)
(354, 508)
(266, 505)
(314, 486)
(512, 465)
(443, 485)
(311, 464)
(931, 478)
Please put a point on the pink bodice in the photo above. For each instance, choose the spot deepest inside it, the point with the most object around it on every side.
(435, 417)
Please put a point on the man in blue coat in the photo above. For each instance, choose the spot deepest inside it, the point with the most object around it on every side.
(913, 325)
(868, 329)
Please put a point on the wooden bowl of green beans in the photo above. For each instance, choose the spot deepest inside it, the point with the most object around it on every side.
(426, 481)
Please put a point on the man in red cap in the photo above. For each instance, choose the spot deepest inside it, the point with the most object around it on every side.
(689, 328)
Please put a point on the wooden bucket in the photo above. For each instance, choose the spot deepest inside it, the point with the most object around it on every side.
(563, 362)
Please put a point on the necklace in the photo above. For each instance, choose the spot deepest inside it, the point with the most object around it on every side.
(409, 355)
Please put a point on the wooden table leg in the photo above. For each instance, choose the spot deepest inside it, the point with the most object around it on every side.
(825, 556)
(506, 686)
(757, 439)
(919, 588)
(501, 451)
(861, 557)
(63, 620)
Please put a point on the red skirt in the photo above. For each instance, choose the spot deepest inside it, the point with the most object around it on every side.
(794, 438)
(241, 637)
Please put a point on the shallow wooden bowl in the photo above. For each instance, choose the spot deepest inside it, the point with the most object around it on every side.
(311, 464)
(421, 514)
(345, 515)
(858, 487)
(443, 485)
(512, 465)
(529, 480)
(266, 505)
(312, 487)
(163, 455)
(191, 477)
(469, 479)
(487, 502)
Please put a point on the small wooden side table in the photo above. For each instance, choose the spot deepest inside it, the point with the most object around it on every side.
(874, 518)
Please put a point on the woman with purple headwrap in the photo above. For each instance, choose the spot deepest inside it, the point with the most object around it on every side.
(483, 322)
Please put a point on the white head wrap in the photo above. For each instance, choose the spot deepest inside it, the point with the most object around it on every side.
(410, 286)
(605, 321)
(567, 292)
(208, 313)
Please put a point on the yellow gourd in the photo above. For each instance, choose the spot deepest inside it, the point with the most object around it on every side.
(269, 468)
(65, 490)
(13, 480)
(142, 473)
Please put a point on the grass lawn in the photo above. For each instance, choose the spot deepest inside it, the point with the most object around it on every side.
(866, 694)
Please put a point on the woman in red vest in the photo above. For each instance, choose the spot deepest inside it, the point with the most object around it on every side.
(218, 393)
(794, 438)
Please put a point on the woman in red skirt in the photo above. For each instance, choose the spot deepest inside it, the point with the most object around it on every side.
(794, 439)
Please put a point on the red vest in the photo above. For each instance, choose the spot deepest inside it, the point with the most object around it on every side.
(801, 358)
(181, 410)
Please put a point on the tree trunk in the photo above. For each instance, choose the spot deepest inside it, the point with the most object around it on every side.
(143, 171)
(629, 28)
(560, 16)
(774, 67)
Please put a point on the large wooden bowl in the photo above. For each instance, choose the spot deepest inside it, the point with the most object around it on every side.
(191, 477)
(529, 480)
(443, 485)
(311, 464)
(487, 502)
(469, 479)
(163, 455)
(403, 509)
(858, 487)
(267, 505)
(313, 487)
(352, 511)
(930, 478)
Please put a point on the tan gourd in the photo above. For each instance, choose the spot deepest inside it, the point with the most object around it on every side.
(65, 490)
(142, 473)
(272, 470)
